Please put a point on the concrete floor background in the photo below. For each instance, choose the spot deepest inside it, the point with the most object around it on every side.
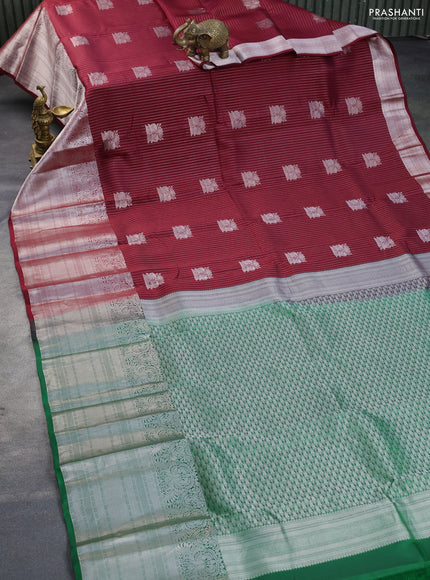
(33, 538)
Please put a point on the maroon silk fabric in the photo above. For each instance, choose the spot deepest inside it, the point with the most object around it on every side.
(214, 178)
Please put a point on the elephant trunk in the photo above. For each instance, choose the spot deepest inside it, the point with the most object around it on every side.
(180, 41)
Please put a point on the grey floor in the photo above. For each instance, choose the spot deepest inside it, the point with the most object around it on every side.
(33, 539)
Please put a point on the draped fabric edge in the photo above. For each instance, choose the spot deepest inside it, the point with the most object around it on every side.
(339, 535)
(380, 278)
(366, 566)
(323, 46)
(35, 56)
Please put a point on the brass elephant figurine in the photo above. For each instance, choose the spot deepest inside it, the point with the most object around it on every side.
(204, 37)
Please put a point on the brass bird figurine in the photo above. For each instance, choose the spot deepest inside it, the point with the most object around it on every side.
(41, 119)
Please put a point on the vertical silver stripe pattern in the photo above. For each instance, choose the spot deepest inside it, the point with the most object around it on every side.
(14, 12)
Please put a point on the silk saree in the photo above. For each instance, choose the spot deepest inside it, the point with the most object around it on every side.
(225, 267)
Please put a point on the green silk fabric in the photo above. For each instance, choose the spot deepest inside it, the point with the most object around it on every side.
(295, 411)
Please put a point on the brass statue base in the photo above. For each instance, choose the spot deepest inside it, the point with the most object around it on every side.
(38, 149)
(34, 156)
(41, 118)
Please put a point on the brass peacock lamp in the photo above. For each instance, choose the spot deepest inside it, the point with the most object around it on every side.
(41, 119)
